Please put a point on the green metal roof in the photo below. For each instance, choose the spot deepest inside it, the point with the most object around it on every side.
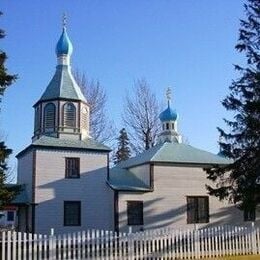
(122, 179)
(63, 86)
(175, 153)
(53, 142)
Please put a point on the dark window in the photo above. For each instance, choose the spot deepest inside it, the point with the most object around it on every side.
(72, 168)
(69, 115)
(10, 215)
(135, 213)
(197, 209)
(167, 126)
(172, 125)
(49, 116)
(72, 213)
(249, 215)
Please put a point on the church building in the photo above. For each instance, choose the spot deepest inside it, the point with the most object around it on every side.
(70, 187)
(64, 169)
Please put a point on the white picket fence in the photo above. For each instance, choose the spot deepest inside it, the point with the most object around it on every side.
(150, 244)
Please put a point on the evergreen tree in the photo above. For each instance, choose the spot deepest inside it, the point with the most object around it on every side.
(239, 181)
(6, 194)
(5, 78)
(123, 151)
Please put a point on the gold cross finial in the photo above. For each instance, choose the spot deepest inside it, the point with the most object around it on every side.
(64, 20)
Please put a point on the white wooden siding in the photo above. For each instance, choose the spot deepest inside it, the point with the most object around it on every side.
(24, 176)
(52, 189)
(166, 205)
(25, 169)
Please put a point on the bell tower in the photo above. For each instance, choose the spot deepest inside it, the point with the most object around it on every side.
(168, 119)
(62, 111)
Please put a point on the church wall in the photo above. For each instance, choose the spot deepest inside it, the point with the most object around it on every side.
(25, 169)
(167, 205)
(142, 172)
(52, 189)
(24, 176)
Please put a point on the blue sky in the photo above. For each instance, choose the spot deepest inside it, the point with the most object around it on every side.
(186, 44)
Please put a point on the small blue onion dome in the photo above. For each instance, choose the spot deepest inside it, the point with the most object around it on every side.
(64, 45)
(168, 114)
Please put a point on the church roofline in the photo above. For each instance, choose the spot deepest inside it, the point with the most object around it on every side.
(48, 147)
(51, 143)
(177, 154)
(59, 99)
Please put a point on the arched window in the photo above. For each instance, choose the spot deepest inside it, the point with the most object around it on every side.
(69, 115)
(37, 119)
(167, 126)
(49, 116)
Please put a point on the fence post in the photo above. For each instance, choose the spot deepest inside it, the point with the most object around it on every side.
(197, 254)
(52, 245)
(130, 246)
(253, 238)
(3, 244)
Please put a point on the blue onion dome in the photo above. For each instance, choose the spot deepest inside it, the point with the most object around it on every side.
(168, 114)
(64, 45)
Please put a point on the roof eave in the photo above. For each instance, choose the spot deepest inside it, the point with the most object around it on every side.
(128, 188)
(31, 146)
(60, 99)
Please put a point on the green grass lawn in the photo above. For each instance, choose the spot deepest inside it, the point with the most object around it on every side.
(244, 257)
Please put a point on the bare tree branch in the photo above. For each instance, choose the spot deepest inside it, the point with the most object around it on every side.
(101, 127)
(141, 116)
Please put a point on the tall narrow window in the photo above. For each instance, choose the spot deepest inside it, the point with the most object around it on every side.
(49, 116)
(197, 209)
(72, 168)
(69, 115)
(72, 213)
(135, 213)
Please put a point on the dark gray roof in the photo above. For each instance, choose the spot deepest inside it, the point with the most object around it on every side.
(53, 142)
(63, 86)
(175, 153)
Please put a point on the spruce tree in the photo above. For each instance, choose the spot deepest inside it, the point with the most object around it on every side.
(239, 181)
(6, 79)
(123, 150)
